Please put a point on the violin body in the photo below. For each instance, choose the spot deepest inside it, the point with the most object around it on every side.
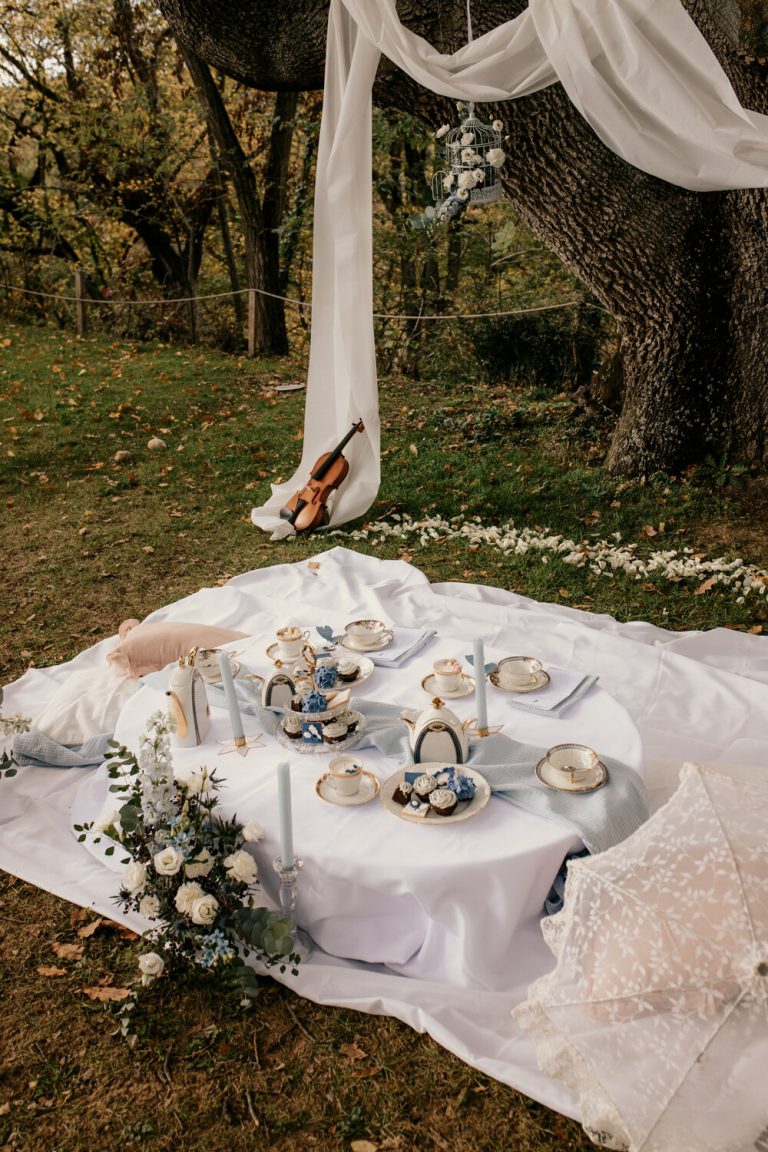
(307, 508)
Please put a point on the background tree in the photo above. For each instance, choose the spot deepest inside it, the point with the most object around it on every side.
(681, 273)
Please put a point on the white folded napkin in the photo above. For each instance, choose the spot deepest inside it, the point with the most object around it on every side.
(405, 643)
(563, 690)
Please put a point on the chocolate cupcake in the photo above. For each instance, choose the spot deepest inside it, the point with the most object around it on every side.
(423, 785)
(403, 792)
(347, 670)
(350, 718)
(292, 726)
(443, 801)
(334, 732)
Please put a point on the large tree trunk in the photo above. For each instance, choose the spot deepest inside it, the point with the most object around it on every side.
(262, 268)
(682, 273)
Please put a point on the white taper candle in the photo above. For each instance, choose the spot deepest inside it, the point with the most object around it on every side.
(284, 814)
(228, 685)
(478, 661)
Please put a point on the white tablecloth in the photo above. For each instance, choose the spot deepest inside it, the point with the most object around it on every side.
(458, 903)
(700, 696)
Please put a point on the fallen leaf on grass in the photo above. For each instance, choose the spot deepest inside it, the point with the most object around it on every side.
(47, 970)
(106, 994)
(68, 951)
(353, 1052)
(89, 929)
(363, 1073)
(705, 587)
(363, 1146)
(4, 1109)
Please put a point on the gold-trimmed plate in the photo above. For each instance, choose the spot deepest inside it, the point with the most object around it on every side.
(464, 810)
(557, 779)
(540, 681)
(326, 791)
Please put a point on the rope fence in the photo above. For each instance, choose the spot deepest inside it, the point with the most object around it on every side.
(82, 302)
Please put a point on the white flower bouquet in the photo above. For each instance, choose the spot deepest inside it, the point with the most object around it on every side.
(189, 870)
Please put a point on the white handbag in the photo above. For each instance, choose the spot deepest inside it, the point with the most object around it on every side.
(188, 704)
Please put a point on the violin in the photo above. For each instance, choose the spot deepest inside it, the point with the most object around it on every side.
(306, 509)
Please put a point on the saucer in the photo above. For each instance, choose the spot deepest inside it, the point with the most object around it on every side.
(555, 778)
(464, 810)
(365, 669)
(213, 675)
(384, 639)
(540, 680)
(466, 688)
(369, 787)
(273, 654)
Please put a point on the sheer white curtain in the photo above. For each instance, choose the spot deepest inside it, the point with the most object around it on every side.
(640, 73)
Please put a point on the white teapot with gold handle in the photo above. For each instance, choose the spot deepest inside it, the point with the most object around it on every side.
(437, 734)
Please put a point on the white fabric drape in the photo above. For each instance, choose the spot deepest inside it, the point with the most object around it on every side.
(640, 73)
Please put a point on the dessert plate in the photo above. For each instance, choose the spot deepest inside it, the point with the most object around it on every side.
(463, 810)
(369, 787)
(383, 640)
(537, 682)
(297, 744)
(466, 688)
(556, 778)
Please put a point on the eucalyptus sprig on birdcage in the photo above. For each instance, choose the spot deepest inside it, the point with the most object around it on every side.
(473, 158)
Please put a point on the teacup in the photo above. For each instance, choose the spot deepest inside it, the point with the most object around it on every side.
(365, 633)
(345, 772)
(576, 761)
(447, 674)
(290, 642)
(517, 671)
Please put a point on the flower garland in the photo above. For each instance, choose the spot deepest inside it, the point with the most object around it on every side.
(604, 557)
(188, 869)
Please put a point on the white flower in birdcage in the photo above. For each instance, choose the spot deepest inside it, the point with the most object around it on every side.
(496, 157)
(468, 156)
(497, 126)
(466, 181)
(468, 138)
(442, 131)
(449, 181)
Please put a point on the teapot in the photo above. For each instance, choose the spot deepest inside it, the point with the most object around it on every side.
(437, 734)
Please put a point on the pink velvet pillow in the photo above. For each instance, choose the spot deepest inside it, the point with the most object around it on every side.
(148, 647)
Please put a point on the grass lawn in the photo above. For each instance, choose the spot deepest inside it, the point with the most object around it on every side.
(98, 527)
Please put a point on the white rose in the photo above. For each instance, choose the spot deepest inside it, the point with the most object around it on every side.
(466, 181)
(497, 126)
(149, 906)
(468, 156)
(468, 138)
(204, 910)
(479, 176)
(151, 966)
(185, 897)
(110, 819)
(496, 157)
(241, 866)
(196, 783)
(448, 182)
(253, 832)
(135, 876)
(442, 131)
(200, 866)
(168, 861)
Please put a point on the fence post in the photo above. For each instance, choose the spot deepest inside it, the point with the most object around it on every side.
(80, 302)
(251, 323)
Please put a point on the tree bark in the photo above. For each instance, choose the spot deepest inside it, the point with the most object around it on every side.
(262, 266)
(680, 272)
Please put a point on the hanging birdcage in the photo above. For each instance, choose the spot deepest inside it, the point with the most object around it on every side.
(471, 175)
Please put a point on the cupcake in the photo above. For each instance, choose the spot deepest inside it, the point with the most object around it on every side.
(423, 785)
(347, 670)
(326, 675)
(443, 801)
(350, 718)
(292, 726)
(334, 732)
(403, 792)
